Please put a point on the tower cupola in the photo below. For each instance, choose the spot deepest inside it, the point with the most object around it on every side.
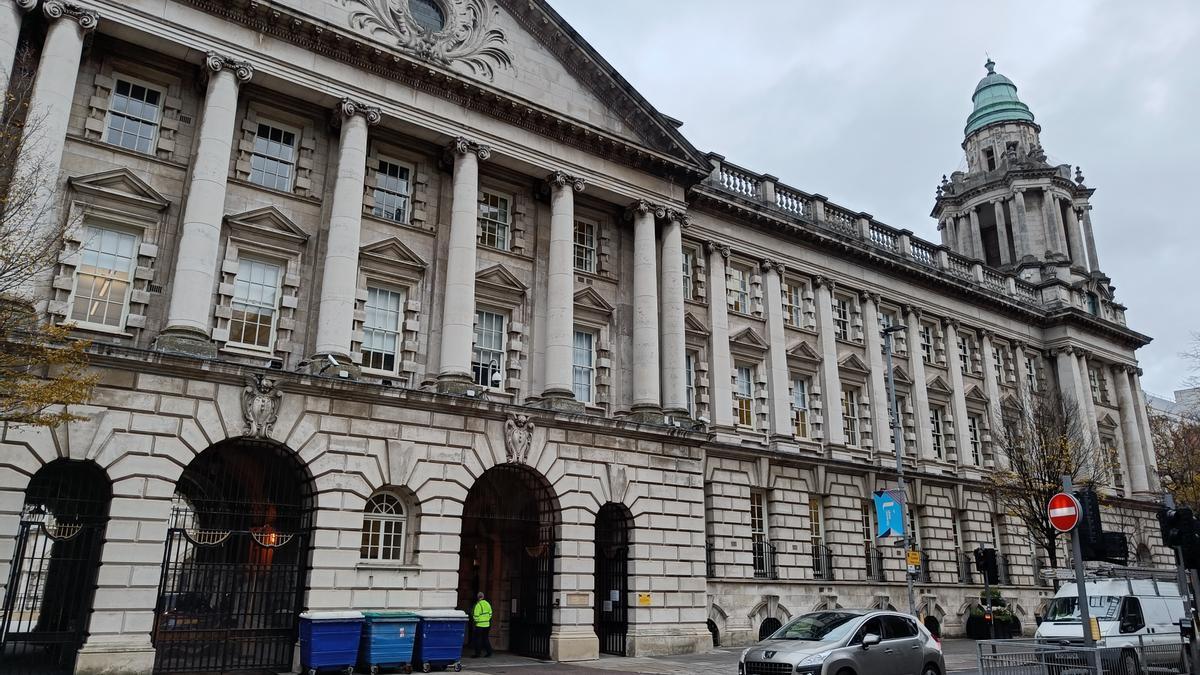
(995, 100)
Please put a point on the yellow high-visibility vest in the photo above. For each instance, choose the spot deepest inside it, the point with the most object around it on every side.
(482, 614)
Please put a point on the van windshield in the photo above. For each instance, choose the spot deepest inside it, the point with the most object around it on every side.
(1102, 607)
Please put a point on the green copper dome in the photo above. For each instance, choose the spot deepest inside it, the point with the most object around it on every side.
(995, 100)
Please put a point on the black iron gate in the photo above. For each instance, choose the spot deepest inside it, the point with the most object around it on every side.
(612, 579)
(532, 622)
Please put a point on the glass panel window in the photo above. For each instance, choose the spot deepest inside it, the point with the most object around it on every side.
(585, 246)
(814, 521)
(936, 417)
(1114, 462)
(739, 290)
(487, 361)
(381, 329)
(973, 424)
(133, 116)
(927, 343)
(495, 218)
(999, 363)
(384, 528)
(428, 15)
(102, 279)
(689, 373)
(584, 375)
(273, 161)
(1031, 374)
(800, 406)
(901, 402)
(841, 318)
(758, 520)
(743, 394)
(850, 415)
(1097, 385)
(255, 304)
(689, 267)
(793, 305)
(964, 354)
(393, 189)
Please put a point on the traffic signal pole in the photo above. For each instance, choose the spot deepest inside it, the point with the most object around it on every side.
(1186, 579)
(898, 446)
(1085, 618)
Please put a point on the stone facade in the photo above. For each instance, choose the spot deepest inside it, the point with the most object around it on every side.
(406, 263)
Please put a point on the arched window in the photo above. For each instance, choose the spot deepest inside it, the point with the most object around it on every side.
(385, 528)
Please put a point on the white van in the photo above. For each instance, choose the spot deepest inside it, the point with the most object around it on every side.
(1131, 613)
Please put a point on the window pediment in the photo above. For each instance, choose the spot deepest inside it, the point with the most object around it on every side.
(748, 342)
(390, 257)
(974, 393)
(592, 306)
(120, 187)
(854, 364)
(804, 352)
(498, 284)
(938, 384)
(693, 325)
(268, 222)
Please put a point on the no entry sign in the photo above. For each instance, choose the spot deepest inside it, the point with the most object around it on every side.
(1064, 512)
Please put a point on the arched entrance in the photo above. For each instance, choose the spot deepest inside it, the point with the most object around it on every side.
(768, 627)
(510, 522)
(233, 575)
(613, 525)
(52, 580)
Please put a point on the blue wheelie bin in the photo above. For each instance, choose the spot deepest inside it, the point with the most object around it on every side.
(329, 640)
(387, 641)
(440, 637)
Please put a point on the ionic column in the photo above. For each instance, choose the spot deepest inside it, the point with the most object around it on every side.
(831, 381)
(778, 379)
(560, 288)
(50, 105)
(944, 231)
(10, 35)
(458, 312)
(339, 284)
(674, 347)
(958, 391)
(1023, 237)
(920, 394)
(962, 228)
(189, 314)
(720, 371)
(976, 236)
(1023, 384)
(1139, 407)
(1056, 224)
(989, 379)
(1089, 402)
(1084, 214)
(880, 404)
(647, 395)
(1130, 432)
(1075, 238)
(1001, 231)
(1070, 385)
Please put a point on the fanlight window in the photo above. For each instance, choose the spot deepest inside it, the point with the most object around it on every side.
(385, 523)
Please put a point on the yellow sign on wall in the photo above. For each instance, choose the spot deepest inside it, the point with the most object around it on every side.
(644, 599)
(914, 558)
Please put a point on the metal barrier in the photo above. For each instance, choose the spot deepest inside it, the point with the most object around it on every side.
(1070, 657)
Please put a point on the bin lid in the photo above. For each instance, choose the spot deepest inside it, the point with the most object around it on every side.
(346, 615)
(375, 615)
(442, 614)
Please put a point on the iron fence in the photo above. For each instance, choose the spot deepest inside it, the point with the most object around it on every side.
(1070, 657)
(764, 560)
(822, 562)
(875, 570)
(710, 564)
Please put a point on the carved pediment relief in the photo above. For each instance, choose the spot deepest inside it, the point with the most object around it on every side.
(120, 186)
(901, 375)
(267, 221)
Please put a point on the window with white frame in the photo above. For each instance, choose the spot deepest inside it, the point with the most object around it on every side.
(273, 159)
(689, 273)
(495, 220)
(381, 329)
(1031, 374)
(689, 374)
(739, 290)
(1000, 363)
(758, 519)
(385, 528)
(850, 419)
(743, 395)
(255, 304)
(927, 343)
(841, 318)
(936, 422)
(585, 246)
(134, 113)
(793, 305)
(107, 258)
(965, 345)
(1096, 381)
(973, 424)
(815, 525)
(583, 378)
(487, 359)
(393, 191)
(800, 406)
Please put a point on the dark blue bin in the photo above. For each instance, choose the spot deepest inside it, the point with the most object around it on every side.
(329, 640)
(388, 640)
(440, 638)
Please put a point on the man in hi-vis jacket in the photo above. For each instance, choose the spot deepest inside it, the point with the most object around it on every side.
(481, 621)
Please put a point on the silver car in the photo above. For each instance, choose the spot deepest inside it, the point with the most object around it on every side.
(846, 642)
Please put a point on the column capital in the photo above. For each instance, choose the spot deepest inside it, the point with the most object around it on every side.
(711, 246)
(987, 334)
(911, 310)
(824, 282)
(25, 5)
(678, 216)
(641, 207)
(87, 19)
(769, 265)
(462, 145)
(562, 179)
(950, 322)
(868, 296)
(348, 107)
(1020, 345)
(215, 63)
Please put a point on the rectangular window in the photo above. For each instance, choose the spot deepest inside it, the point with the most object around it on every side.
(689, 267)
(133, 116)
(584, 376)
(495, 218)
(102, 279)
(255, 304)
(841, 318)
(1114, 462)
(814, 521)
(381, 329)
(999, 363)
(758, 520)
(973, 424)
(800, 406)
(1031, 374)
(850, 415)
(927, 343)
(585, 246)
(393, 189)
(689, 363)
(273, 161)
(793, 305)
(1094, 382)
(964, 354)
(897, 425)
(739, 290)
(487, 362)
(743, 394)
(936, 416)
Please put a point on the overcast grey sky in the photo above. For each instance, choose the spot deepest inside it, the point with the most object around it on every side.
(865, 102)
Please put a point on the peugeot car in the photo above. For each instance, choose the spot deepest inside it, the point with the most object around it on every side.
(846, 642)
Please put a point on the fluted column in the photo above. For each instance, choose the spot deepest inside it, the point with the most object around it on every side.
(720, 383)
(189, 314)
(873, 337)
(560, 288)
(1070, 383)
(958, 391)
(50, 106)
(920, 394)
(976, 236)
(1084, 214)
(778, 379)
(1139, 407)
(339, 284)
(458, 312)
(1001, 231)
(674, 346)
(1089, 401)
(647, 396)
(831, 382)
(10, 35)
(989, 379)
(1022, 237)
(1131, 435)
(1075, 238)
(1060, 228)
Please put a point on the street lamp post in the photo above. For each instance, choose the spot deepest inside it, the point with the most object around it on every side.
(898, 443)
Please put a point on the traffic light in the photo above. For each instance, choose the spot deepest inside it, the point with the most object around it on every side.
(1091, 529)
(987, 565)
(1115, 548)
(1180, 530)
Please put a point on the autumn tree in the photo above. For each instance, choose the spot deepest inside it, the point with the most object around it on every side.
(1040, 440)
(1176, 435)
(42, 370)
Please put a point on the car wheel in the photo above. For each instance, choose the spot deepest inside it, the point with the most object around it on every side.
(846, 671)
(931, 669)
(1129, 664)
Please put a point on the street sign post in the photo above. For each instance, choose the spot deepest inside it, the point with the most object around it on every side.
(1064, 516)
(1064, 512)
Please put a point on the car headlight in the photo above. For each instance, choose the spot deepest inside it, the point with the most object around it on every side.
(815, 659)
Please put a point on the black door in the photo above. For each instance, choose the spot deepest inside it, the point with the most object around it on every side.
(612, 578)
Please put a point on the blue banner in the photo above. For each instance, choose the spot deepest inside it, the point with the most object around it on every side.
(889, 515)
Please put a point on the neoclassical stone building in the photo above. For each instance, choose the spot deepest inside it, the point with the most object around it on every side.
(393, 301)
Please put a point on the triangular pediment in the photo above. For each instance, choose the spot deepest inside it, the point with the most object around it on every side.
(901, 375)
(267, 220)
(853, 364)
(803, 351)
(974, 393)
(120, 185)
(748, 338)
(938, 383)
(1106, 420)
(693, 325)
(589, 298)
(393, 250)
(499, 283)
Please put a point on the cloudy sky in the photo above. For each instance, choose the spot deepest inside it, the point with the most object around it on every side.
(865, 102)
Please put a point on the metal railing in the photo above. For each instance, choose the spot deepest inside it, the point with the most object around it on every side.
(1068, 657)
(922, 573)
(822, 562)
(764, 559)
(875, 570)
(710, 564)
(966, 562)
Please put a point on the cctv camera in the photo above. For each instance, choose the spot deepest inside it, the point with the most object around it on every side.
(702, 420)
(332, 361)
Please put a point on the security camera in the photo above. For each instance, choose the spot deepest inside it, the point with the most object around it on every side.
(702, 420)
(497, 378)
(332, 361)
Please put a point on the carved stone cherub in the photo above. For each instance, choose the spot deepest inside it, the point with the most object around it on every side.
(260, 406)
(518, 436)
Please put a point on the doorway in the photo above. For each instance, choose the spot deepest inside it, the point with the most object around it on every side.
(613, 526)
